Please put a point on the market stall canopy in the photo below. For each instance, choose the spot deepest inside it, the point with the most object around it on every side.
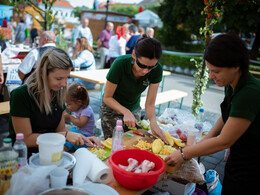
(148, 18)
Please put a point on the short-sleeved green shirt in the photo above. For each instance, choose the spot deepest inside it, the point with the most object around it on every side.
(245, 102)
(129, 89)
(23, 105)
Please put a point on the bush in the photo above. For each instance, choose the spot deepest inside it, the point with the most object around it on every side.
(183, 61)
(176, 60)
(254, 68)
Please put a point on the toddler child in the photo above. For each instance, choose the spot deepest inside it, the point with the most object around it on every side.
(77, 102)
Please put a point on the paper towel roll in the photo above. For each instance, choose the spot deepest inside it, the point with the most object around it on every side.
(100, 172)
(84, 162)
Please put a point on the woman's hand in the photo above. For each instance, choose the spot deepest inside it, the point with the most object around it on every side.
(158, 132)
(174, 158)
(93, 141)
(129, 120)
(78, 139)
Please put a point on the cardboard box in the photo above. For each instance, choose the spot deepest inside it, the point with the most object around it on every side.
(173, 187)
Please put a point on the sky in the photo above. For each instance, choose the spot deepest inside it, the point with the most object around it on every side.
(89, 3)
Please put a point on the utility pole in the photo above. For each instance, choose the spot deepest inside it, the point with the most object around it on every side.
(106, 14)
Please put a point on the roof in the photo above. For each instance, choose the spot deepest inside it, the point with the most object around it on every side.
(61, 3)
(146, 2)
(146, 14)
(148, 18)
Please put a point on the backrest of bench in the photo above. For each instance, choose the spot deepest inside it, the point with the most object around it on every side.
(4, 107)
(165, 96)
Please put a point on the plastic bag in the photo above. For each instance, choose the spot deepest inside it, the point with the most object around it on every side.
(176, 116)
(30, 180)
(189, 171)
(212, 181)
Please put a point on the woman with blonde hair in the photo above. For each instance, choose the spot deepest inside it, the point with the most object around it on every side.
(85, 59)
(37, 106)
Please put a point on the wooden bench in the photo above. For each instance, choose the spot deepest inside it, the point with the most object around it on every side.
(256, 74)
(4, 107)
(164, 97)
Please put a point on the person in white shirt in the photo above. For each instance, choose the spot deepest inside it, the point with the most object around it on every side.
(117, 44)
(30, 62)
(85, 60)
(83, 31)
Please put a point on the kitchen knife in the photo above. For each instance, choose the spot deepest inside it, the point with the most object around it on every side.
(147, 134)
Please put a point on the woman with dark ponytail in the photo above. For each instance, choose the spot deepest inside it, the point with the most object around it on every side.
(127, 78)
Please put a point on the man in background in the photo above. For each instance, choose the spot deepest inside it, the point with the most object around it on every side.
(134, 36)
(83, 31)
(30, 62)
(103, 43)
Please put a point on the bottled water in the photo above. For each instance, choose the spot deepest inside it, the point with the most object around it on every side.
(8, 164)
(21, 148)
(118, 123)
(118, 139)
(199, 122)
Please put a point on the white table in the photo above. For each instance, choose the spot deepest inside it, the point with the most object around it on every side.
(99, 77)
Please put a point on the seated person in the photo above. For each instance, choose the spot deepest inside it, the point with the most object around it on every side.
(85, 59)
(30, 62)
(37, 107)
(83, 119)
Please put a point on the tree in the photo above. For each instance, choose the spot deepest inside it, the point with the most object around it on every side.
(243, 16)
(4, 2)
(77, 11)
(45, 14)
(129, 9)
(180, 19)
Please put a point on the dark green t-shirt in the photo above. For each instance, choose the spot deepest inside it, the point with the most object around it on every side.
(129, 89)
(245, 102)
(23, 105)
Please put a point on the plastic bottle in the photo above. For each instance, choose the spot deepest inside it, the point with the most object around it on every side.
(199, 122)
(8, 164)
(118, 123)
(118, 139)
(21, 148)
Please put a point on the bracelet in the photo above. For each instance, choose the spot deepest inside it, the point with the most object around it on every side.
(182, 154)
(66, 134)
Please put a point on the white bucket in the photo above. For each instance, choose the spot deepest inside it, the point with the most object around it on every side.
(50, 148)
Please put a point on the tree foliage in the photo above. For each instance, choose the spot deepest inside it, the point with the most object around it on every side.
(183, 18)
(45, 14)
(77, 11)
(129, 9)
(180, 19)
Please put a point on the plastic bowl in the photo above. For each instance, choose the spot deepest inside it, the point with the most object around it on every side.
(135, 181)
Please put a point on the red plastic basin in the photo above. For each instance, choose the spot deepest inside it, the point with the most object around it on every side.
(135, 181)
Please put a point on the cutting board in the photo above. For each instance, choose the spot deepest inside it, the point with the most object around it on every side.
(130, 141)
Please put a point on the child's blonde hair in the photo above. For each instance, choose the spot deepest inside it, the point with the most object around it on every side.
(77, 91)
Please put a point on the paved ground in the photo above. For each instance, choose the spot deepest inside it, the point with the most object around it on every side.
(212, 98)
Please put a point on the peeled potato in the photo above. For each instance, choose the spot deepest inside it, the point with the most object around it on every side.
(168, 138)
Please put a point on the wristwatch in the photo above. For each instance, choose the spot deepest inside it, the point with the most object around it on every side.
(182, 154)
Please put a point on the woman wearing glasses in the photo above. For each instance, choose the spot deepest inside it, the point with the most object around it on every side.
(127, 78)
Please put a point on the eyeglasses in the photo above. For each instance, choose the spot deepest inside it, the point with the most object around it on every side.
(145, 66)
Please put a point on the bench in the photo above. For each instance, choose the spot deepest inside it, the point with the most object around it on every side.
(164, 97)
(256, 74)
(4, 107)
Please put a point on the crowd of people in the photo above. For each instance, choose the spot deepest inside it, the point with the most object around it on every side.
(46, 100)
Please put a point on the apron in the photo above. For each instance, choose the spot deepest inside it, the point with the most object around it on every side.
(242, 167)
